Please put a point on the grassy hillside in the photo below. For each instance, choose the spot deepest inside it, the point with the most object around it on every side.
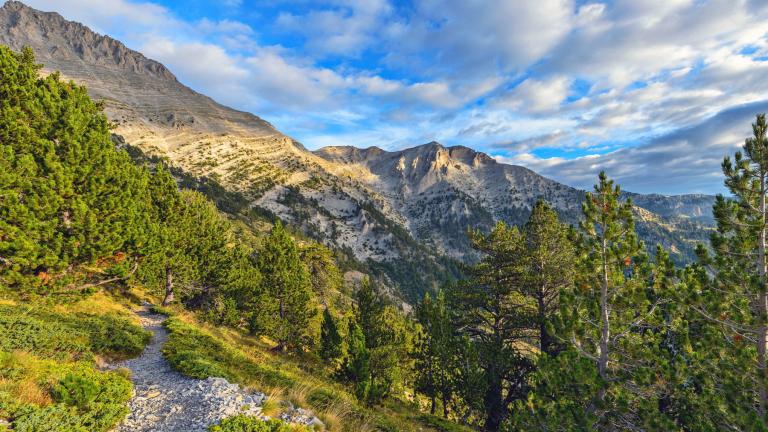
(199, 350)
(52, 376)
(50, 358)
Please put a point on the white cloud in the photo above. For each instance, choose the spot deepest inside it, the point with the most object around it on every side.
(345, 28)
(683, 161)
(536, 96)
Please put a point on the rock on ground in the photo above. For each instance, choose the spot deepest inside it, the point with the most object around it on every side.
(166, 401)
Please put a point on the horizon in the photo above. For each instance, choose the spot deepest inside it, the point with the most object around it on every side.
(658, 117)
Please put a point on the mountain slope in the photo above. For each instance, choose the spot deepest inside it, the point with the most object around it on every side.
(440, 191)
(401, 213)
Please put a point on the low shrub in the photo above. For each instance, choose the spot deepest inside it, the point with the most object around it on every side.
(242, 423)
(81, 399)
(76, 390)
(69, 336)
(322, 398)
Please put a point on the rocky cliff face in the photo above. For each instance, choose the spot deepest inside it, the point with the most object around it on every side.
(142, 94)
(440, 191)
(401, 212)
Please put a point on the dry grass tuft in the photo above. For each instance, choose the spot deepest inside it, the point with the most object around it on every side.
(272, 406)
(28, 391)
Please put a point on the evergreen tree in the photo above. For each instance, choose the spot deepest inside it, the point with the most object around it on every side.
(388, 340)
(550, 268)
(324, 274)
(737, 299)
(285, 307)
(620, 331)
(331, 343)
(434, 353)
(189, 240)
(611, 319)
(67, 197)
(357, 363)
(490, 310)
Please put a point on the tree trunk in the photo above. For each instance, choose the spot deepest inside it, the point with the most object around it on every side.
(169, 296)
(762, 331)
(494, 405)
(546, 344)
(432, 407)
(605, 333)
(282, 343)
(445, 406)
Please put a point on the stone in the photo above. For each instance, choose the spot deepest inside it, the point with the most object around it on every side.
(166, 401)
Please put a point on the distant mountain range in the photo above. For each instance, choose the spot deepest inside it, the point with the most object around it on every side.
(404, 213)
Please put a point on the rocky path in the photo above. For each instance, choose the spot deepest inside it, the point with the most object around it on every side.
(166, 401)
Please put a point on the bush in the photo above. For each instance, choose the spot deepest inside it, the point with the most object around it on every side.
(76, 390)
(243, 423)
(86, 400)
(322, 398)
(69, 336)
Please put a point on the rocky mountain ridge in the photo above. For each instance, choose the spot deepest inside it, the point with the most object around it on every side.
(404, 213)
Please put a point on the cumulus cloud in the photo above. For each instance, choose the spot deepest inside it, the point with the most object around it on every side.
(536, 96)
(684, 161)
(470, 38)
(346, 27)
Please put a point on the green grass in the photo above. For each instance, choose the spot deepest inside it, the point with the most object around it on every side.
(198, 354)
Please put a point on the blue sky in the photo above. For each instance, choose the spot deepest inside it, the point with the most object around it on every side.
(655, 91)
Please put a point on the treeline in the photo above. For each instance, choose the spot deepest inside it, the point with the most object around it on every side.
(559, 328)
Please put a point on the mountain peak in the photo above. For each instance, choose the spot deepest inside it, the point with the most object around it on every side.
(58, 42)
(141, 94)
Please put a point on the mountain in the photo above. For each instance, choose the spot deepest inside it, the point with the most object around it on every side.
(441, 190)
(403, 215)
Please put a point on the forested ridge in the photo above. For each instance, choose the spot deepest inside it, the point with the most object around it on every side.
(555, 327)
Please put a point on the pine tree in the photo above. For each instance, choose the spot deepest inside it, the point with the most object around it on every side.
(189, 243)
(331, 343)
(434, 354)
(67, 196)
(388, 339)
(357, 363)
(490, 311)
(286, 306)
(550, 268)
(610, 310)
(324, 274)
(619, 331)
(737, 299)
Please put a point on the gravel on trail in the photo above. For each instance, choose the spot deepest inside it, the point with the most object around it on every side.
(166, 401)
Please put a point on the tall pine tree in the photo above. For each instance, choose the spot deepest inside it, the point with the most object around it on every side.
(737, 298)
(331, 343)
(550, 268)
(491, 312)
(435, 347)
(285, 306)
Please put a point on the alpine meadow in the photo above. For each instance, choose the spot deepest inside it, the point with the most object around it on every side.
(171, 264)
